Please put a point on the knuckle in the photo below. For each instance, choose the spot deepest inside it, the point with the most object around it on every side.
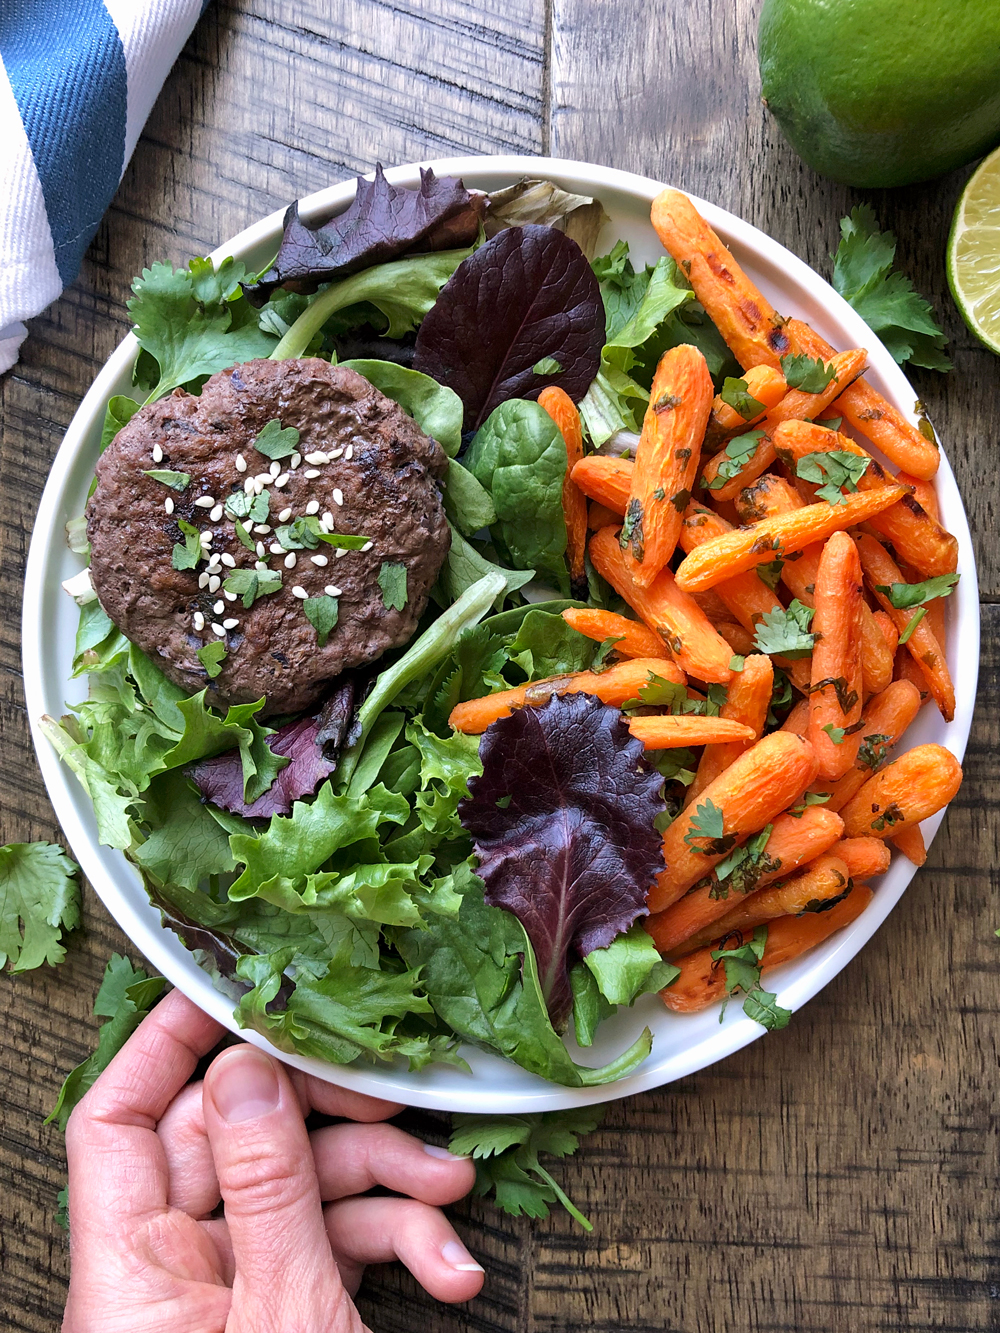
(266, 1184)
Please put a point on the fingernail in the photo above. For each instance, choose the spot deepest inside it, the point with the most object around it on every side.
(453, 1252)
(432, 1150)
(244, 1086)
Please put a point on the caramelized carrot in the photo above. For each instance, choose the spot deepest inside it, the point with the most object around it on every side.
(910, 842)
(747, 598)
(633, 638)
(881, 571)
(865, 858)
(795, 406)
(870, 413)
(886, 717)
(888, 629)
(606, 480)
(703, 980)
(794, 840)
(915, 786)
(768, 495)
(835, 686)
(797, 720)
(745, 318)
(758, 543)
(765, 385)
(615, 686)
(914, 534)
(666, 461)
(825, 878)
(751, 793)
(907, 669)
(923, 492)
(747, 701)
(600, 516)
(561, 408)
(697, 647)
(666, 732)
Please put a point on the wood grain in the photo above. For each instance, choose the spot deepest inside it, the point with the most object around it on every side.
(840, 1175)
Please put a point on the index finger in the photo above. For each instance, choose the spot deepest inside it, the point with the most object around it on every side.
(116, 1161)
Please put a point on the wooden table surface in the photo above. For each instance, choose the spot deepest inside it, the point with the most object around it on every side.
(841, 1174)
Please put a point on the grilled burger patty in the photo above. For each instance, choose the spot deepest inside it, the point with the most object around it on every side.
(360, 467)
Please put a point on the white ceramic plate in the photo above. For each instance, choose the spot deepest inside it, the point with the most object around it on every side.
(682, 1044)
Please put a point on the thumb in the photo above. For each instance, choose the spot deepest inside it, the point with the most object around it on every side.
(285, 1275)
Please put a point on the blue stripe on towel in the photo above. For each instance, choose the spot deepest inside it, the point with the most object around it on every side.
(66, 67)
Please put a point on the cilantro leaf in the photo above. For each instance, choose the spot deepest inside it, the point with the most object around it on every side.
(194, 321)
(743, 867)
(706, 822)
(253, 508)
(392, 581)
(211, 656)
(186, 554)
(762, 1006)
(802, 372)
(737, 394)
(873, 751)
(506, 1151)
(770, 573)
(249, 584)
(810, 798)
(343, 541)
(738, 661)
(39, 898)
(302, 534)
(742, 964)
(904, 595)
(245, 537)
(836, 734)
(277, 442)
(177, 481)
(786, 633)
(322, 613)
(886, 301)
(125, 998)
(738, 453)
(838, 470)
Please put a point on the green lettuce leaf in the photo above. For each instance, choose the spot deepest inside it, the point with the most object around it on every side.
(435, 408)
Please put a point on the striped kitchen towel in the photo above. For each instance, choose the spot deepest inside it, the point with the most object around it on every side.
(77, 80)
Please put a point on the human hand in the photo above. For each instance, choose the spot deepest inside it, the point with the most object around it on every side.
(150, 1157)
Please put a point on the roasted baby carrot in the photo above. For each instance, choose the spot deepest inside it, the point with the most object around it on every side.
(910, 842)
(750, 794)
(561, 408)
(865, 858)
(870, 413)
(836, 684)
(915, 786)
(797, 720)
(794, 840)
(666, 732)
(747, 598)
(703, 979)
(666, 461)
(888, 629)
(765, 386)
(742, 314)
(769, 494)
(759, 543)
(923, 492)
(881, 571)
(795, 406)
(697, 647)
(606, 480)
(600, 516)
(905, 668)
(914, 534)
(747, 701)
(615, 686)
(633, 639)
(825, 878)
(886, 717)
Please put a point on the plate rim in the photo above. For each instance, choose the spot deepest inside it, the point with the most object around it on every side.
(140, 921)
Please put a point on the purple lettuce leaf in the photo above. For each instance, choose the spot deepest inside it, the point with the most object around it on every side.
(562, 823)
(383, 222)
(527, 296)
(312, 746)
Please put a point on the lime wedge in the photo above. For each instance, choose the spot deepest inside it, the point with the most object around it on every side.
(974, 253)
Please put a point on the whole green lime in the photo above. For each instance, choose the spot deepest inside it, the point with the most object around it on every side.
(883, 92)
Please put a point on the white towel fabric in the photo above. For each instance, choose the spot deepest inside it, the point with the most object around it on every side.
(77, 80)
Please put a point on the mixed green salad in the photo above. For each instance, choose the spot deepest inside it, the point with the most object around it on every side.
(351, 924)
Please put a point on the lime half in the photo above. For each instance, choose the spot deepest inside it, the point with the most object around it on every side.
(974, 253)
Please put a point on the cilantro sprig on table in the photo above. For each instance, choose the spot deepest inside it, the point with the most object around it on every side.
(506, 1151)
(39, 899)
(886, 301)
